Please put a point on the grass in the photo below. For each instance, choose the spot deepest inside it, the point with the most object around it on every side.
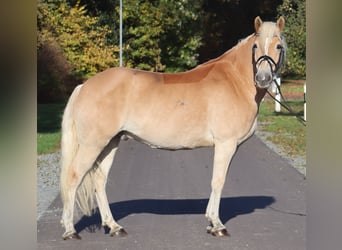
(49, 127)
(284, 129)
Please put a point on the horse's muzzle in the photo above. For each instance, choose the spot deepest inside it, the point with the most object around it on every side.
(263, 79)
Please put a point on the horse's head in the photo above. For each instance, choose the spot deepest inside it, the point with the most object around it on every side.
(268, 51)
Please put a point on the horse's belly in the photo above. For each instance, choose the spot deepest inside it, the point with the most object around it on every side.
(171, 135)
(176, 144)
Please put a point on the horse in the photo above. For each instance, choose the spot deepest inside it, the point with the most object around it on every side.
(212, 105)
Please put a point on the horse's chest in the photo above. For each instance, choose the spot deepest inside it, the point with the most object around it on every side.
(250, 131)
(241, 120)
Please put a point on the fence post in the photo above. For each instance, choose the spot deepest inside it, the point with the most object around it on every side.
(120, 31)
(305, 101)
(277, 107)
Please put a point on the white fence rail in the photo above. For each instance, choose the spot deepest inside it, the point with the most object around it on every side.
(275, 90)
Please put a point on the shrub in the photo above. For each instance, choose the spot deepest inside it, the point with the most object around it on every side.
(295, 34)
(71, 47)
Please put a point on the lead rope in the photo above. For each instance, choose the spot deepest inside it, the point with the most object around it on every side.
(285, 105)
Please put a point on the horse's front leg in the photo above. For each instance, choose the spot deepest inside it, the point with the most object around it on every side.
(224, 152)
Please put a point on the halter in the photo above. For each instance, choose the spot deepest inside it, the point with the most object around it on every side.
(275, 67)
(274, 72)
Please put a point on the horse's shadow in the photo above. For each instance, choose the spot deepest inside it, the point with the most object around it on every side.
(229, 208)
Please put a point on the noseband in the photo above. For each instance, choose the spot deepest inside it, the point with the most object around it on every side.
(275, 67)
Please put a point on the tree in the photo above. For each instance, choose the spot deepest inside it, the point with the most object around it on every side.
(180, 44)
(54, 70)
(144, 25)
(228, 21)
(158, 35)
(81, 39)
(74, 38)
(161, 35)
(295, 34)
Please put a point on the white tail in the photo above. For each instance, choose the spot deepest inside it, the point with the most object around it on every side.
(86, 192)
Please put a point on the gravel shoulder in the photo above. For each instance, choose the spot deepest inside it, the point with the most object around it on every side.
(48, 172)
(299, 163)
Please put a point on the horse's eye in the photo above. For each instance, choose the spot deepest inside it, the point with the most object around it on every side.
(279, 46)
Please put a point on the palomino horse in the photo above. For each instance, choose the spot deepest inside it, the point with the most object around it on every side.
(215, 104)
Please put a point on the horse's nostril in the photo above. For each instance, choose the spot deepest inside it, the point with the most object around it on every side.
(263, 79)
(268, 78)
(260, 78)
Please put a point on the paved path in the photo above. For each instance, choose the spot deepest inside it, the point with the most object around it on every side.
(160, 198)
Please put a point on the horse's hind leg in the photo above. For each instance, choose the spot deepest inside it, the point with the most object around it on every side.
(74, 174)
(100, 178)
(224, 152)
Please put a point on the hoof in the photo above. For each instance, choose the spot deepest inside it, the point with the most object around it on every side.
(72, 236)
(218, 233)
(221, 233)
(119, 233)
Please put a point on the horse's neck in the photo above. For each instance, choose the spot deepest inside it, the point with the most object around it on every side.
(241, 57)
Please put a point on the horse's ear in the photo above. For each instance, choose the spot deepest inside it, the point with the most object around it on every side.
(257, 23)
(281, 23)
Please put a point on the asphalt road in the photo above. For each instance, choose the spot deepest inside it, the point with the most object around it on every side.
(160, 198)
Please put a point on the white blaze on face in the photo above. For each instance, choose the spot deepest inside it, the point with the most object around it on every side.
(267, 45)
